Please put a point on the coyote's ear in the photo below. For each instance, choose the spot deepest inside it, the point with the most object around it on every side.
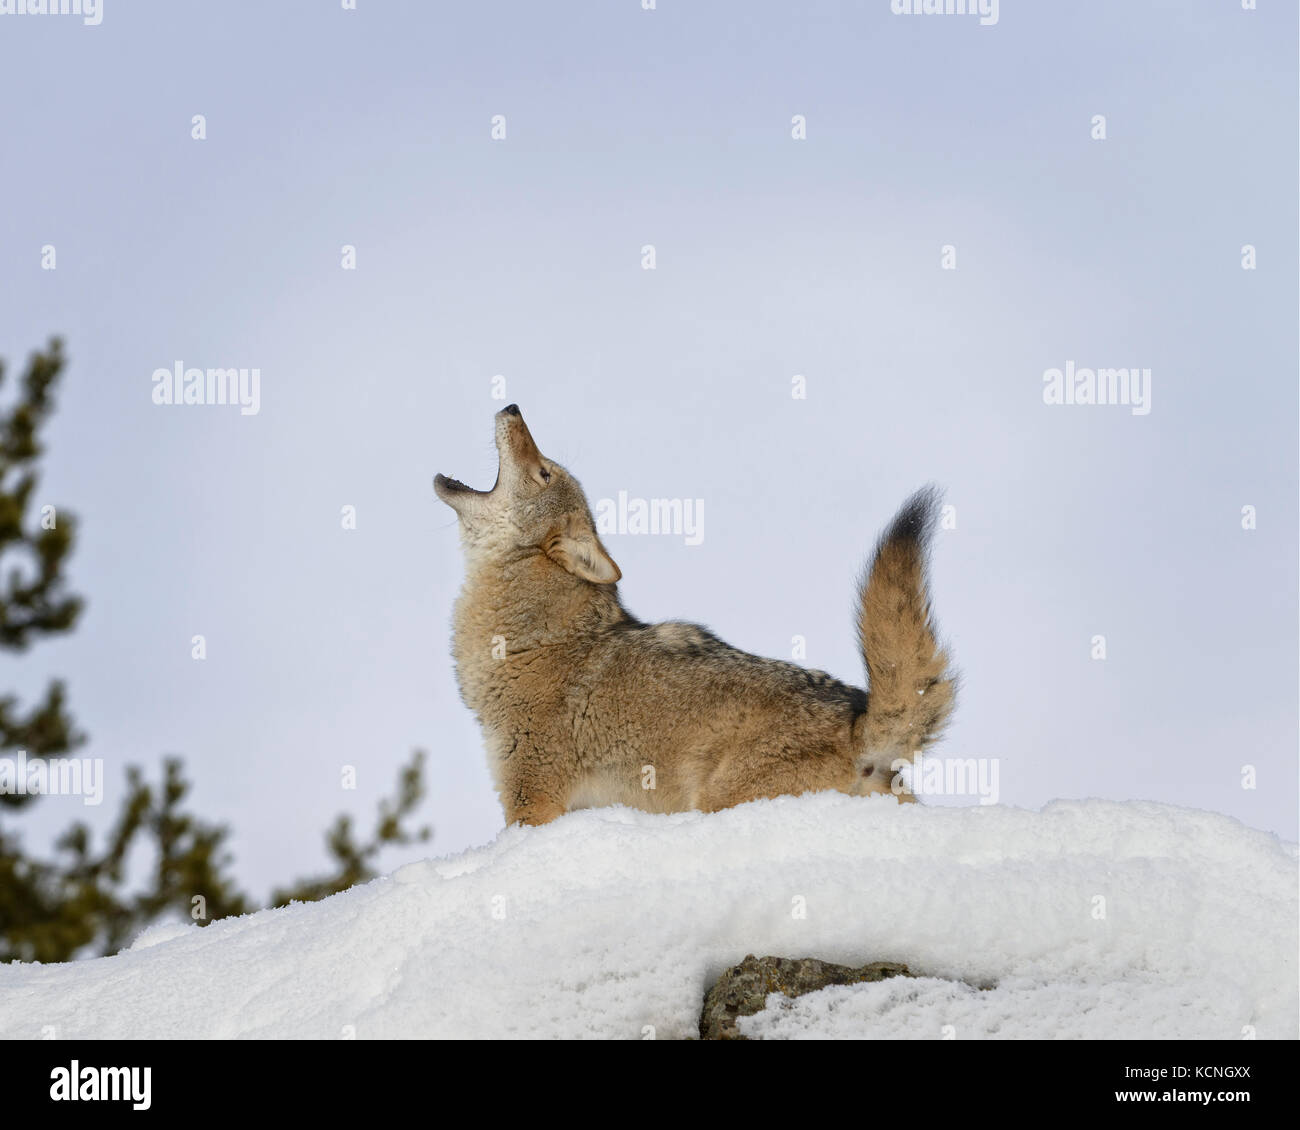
(576, 548)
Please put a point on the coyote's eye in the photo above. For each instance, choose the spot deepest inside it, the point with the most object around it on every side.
(546, 475)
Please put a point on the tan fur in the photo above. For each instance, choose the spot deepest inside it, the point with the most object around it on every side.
(912, 692)
(582, 705)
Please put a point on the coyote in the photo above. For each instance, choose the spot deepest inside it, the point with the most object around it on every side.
(583, 705)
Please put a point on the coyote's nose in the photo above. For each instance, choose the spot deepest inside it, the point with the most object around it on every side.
(511, 409)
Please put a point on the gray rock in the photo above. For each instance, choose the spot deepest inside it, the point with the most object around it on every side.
(743, 989)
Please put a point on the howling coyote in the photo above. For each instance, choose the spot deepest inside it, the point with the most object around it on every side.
(583, 705)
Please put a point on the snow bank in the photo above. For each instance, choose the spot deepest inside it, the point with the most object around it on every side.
(1089, 918)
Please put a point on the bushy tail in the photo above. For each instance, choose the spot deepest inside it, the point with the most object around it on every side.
(911, 692)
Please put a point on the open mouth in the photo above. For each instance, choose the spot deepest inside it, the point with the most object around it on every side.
(455, 486)
(446, 485)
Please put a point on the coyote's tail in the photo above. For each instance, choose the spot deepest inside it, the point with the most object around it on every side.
(910, 690)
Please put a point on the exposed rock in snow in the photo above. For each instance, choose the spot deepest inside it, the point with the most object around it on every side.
(743, 990)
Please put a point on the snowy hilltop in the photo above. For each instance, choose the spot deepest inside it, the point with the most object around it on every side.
(1087, 919)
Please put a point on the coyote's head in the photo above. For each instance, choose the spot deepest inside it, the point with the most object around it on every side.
(534, 507)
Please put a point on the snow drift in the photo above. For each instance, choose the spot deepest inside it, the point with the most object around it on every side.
(1087, 919)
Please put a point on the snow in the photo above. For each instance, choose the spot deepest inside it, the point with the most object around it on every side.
(613, 923)
(1020, 1008)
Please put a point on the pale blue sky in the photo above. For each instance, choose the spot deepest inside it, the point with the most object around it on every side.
(775, 257)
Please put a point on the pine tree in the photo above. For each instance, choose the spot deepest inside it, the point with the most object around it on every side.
(82, 900)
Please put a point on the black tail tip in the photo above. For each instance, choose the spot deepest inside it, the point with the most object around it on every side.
(918, 517)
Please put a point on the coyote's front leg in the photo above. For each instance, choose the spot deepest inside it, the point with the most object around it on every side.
(532, 791)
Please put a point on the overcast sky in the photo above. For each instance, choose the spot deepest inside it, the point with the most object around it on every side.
(821, 257)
